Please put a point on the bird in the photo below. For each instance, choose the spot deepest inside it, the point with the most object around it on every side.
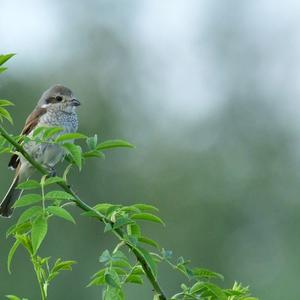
(55, 108)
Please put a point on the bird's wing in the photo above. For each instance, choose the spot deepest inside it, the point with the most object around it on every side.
(30, 124)
(32, 120)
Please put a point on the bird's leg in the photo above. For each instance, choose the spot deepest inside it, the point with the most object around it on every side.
(51, 171)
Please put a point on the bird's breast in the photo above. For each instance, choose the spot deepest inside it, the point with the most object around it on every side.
(68, 121)
(47, 153)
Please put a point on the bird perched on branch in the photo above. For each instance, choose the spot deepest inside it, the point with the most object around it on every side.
(56, 108)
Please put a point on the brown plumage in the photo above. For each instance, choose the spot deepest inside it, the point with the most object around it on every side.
(29, 126)
(6, 209)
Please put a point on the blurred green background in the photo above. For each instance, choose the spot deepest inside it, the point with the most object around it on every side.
(208, 91)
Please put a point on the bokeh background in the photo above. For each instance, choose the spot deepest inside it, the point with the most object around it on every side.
(208, 91)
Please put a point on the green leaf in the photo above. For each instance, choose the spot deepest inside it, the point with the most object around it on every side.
(12, 297)
(184, 287)
(29, 185)
(182, 261)
(229, 292)
(108, 227)
(202, 273)
(130, 209)
(147, 217)
(2, 69)
(75, 152)
(52, 275)
(60, 212)
(120, 259)
(2, 141)
(149, 260)
(210, 289)
(184, 270)
(50, 132)
(138, 270)
(93, 153)
(5, 114)
(119, 270)
(70, 136)
(111, 293)
(38, 130)
(112, 209)
(18, 228)
(5, 103)
(132, 239)
(239, 290)
(109, 279)
(99, 273)
(11, 254)
(121, 263)
(97, 281)
(5, 150)
(91, 214)
(98, 278)
(105, 256)
(135, 279)
(39, 231)
(166, 254)
(121, 221)
(176, 296)
(59, 195)
(134, 229)
(63, 265)
(30, 213)
(148, 241)
(145, 207)
(25, 241)
(5, 57)
(27, 200)
(92, 142)
(114, 144)
(103, 207)
(44, 260)
(52, 180)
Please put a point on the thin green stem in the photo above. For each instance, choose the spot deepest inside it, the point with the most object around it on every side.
(39, 277)
(122, 243)
(84, 206)
(43, 191)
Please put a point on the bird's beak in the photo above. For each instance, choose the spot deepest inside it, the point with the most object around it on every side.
(75, 102)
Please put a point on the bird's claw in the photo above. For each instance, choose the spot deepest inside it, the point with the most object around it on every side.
(51, 171)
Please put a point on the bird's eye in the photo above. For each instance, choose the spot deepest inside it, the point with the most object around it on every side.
(59, 98)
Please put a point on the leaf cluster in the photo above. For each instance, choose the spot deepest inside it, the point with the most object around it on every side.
(135, 258)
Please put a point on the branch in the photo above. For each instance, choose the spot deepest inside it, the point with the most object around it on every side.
(118, 232)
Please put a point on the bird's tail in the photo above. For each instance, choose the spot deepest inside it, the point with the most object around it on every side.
(10, 198)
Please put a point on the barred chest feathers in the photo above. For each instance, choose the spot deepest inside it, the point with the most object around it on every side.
(68, 121)
(49, 154)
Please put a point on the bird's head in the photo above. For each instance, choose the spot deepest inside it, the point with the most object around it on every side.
(60, 98)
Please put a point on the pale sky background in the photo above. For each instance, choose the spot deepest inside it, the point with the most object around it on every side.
(168, 33)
